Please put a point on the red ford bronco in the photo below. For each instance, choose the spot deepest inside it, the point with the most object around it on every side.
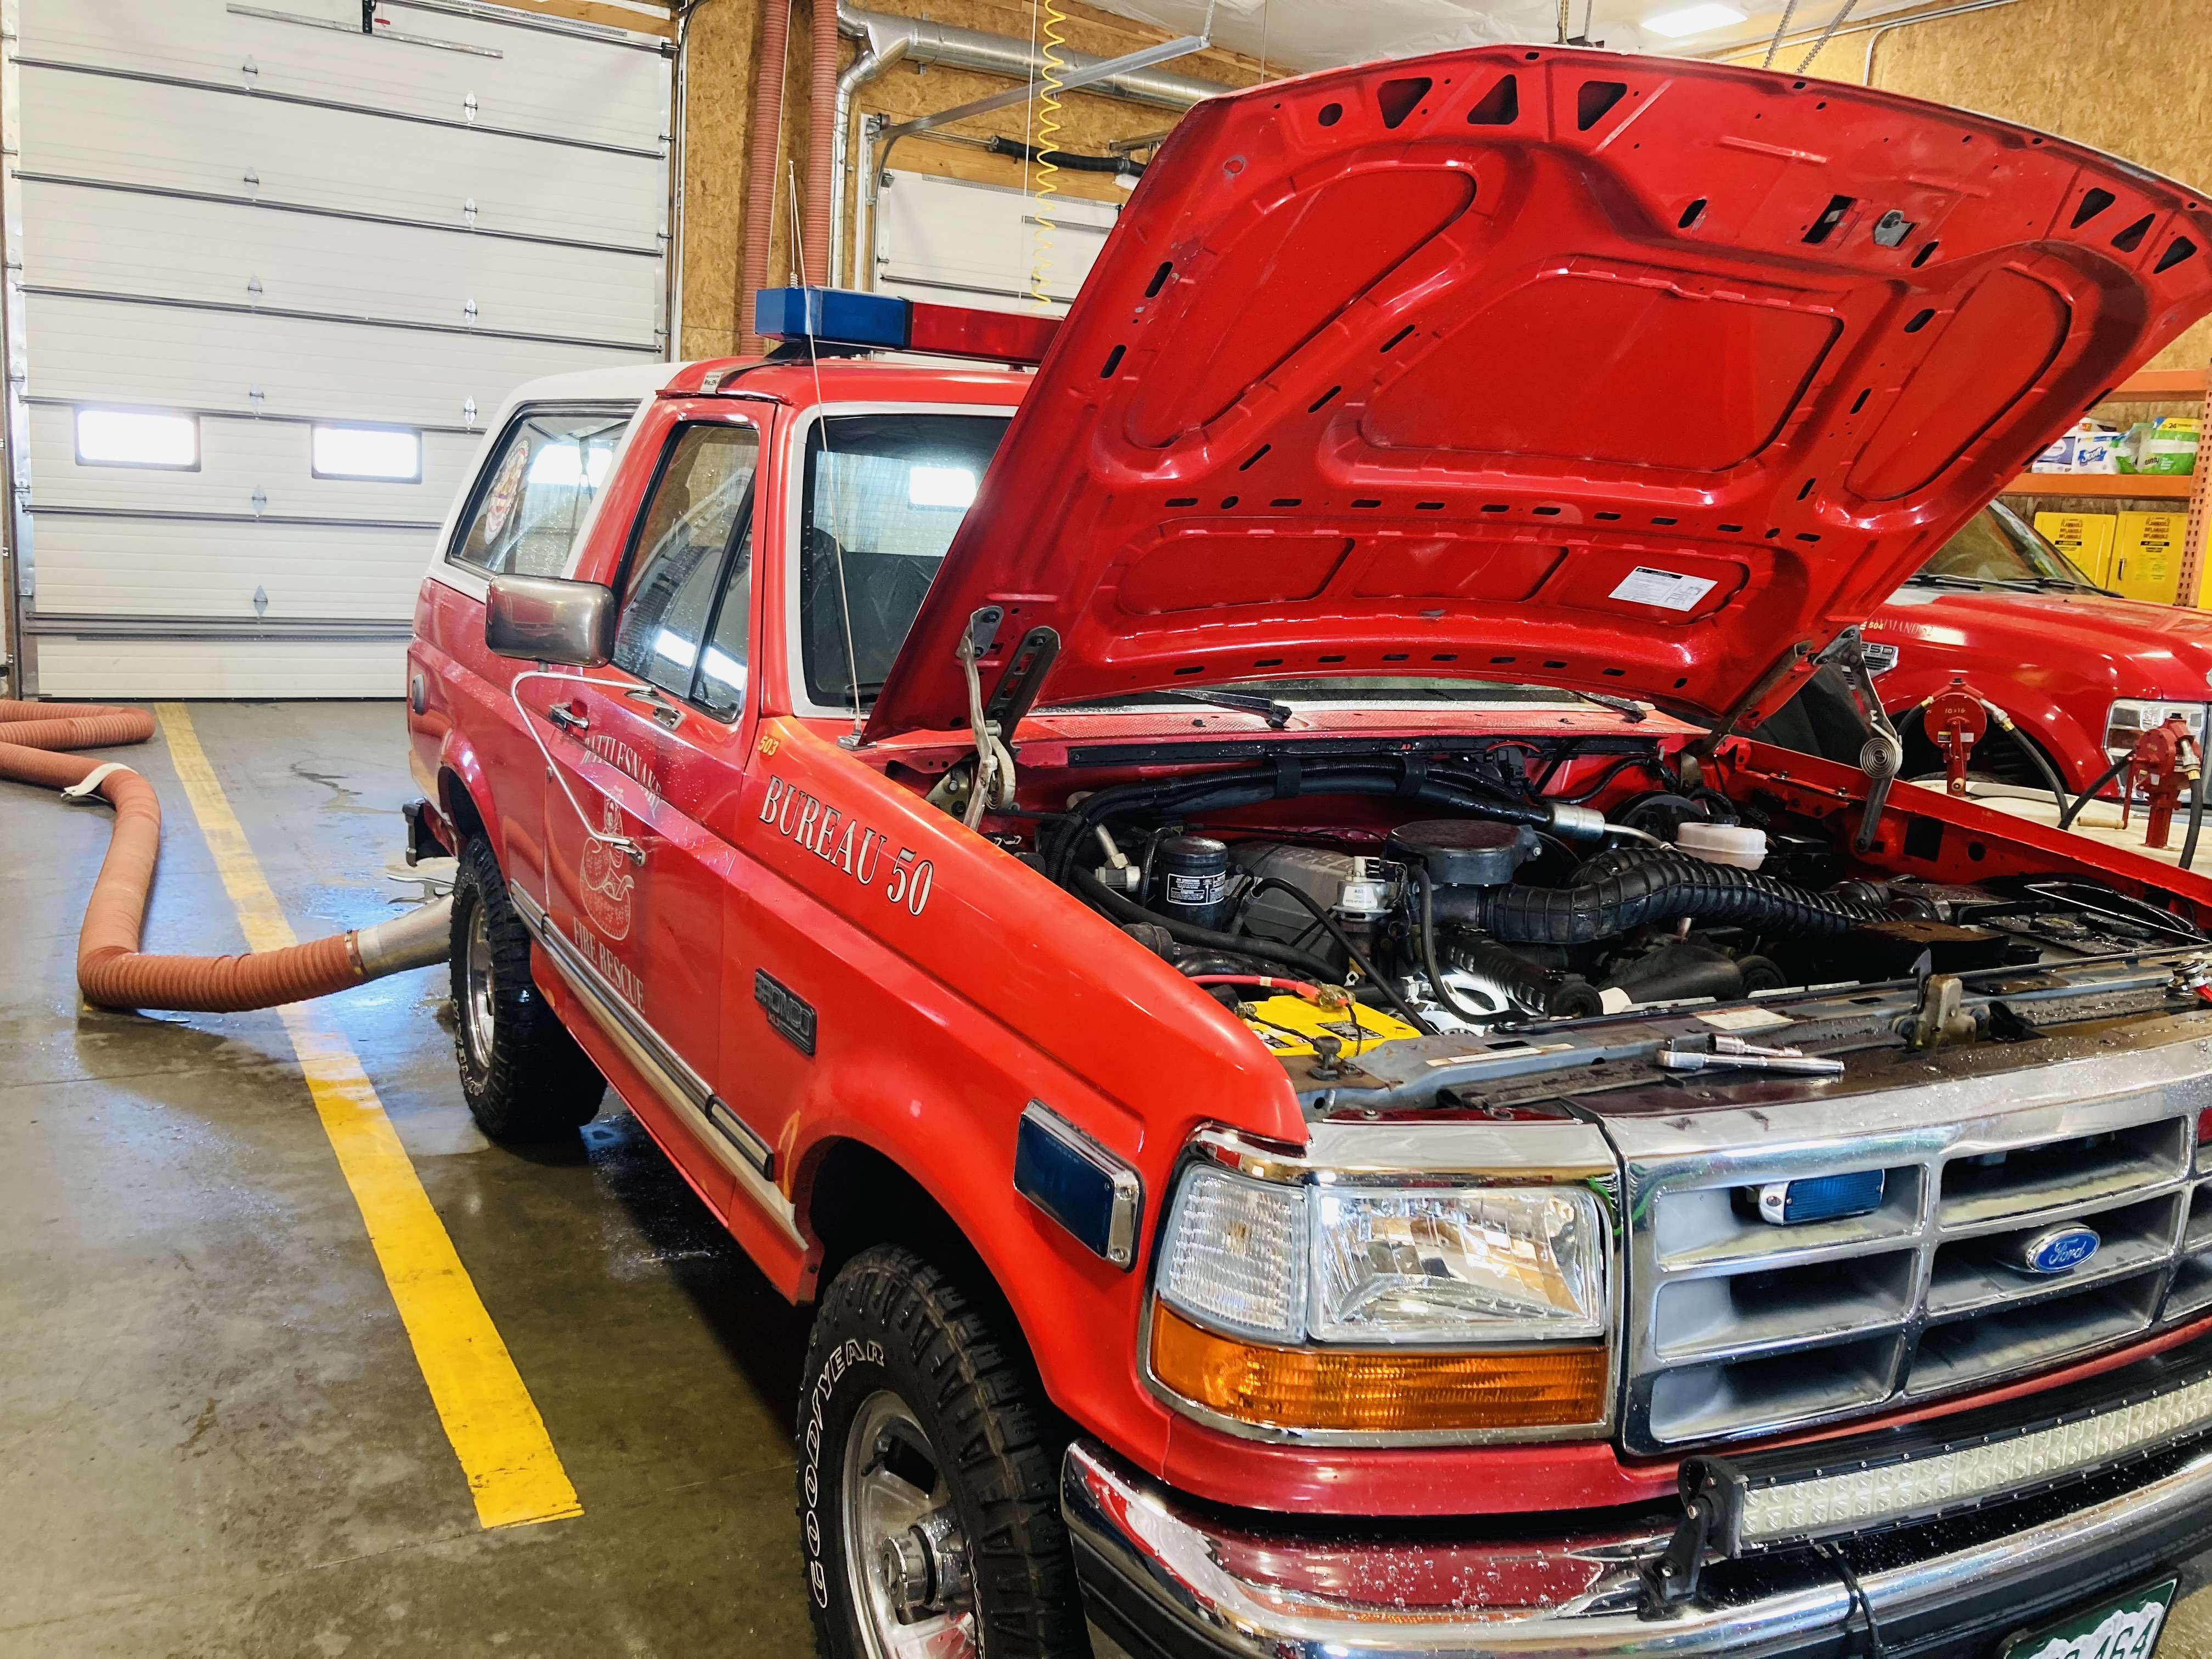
(1290, 919)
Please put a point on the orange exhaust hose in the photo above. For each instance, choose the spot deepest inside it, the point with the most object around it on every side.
(111, 970)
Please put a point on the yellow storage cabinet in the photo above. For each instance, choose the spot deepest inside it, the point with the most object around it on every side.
(2085, 538)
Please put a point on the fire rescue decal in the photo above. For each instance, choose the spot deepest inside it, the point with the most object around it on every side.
(605, 882)
(612, 967)
(625, 760)
(861, 853)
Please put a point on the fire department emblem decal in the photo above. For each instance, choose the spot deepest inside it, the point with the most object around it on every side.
(606, 880)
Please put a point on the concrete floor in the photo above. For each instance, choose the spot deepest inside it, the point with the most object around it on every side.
(214, 1438)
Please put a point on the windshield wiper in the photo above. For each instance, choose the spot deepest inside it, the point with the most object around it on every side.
(1930, 579)
(1277, 715)
(1627, 707)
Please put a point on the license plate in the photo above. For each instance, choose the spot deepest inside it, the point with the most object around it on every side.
(2125, 1629)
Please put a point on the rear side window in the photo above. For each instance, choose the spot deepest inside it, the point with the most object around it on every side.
(684, 621)
(532, 500)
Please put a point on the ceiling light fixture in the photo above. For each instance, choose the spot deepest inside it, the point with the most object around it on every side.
(1693, 20)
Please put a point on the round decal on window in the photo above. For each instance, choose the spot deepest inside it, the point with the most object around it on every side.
(504, 489)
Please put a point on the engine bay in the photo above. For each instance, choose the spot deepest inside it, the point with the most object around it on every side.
(1341, 897)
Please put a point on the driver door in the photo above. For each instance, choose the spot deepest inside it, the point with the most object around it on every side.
(641, 756)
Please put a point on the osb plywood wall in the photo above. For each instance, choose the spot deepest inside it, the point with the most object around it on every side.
(2133, 77)
(724, 38)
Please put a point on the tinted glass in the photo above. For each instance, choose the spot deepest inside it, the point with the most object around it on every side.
(701, 504)
(1996, 545)
(538, 490)
(884, 494)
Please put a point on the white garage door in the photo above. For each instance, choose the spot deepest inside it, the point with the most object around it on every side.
(960, 244)
(276, 274)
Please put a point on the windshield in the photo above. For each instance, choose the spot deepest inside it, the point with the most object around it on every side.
(1996, 545)
(883, 495)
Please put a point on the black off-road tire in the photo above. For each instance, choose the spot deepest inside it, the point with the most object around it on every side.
(892, 1321)
(526, 1080)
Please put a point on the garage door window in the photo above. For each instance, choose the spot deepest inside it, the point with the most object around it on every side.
(132, 437)
(386, 454)
(533, 500)
(690, 579)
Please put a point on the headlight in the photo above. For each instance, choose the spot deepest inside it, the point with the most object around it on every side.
(2131, 717)
(1465, 1265)
(1321, 1303)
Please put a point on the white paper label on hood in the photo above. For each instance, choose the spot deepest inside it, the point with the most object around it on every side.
(1664, 588)
(1745, 1020)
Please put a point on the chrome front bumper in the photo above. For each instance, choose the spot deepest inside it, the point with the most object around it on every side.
(1163, 1578)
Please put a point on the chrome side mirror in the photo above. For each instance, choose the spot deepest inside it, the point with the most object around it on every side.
(547, 619)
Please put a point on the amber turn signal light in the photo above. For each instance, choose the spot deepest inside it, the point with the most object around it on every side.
(1551, 1386)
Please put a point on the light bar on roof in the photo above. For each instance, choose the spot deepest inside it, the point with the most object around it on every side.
(847, 318)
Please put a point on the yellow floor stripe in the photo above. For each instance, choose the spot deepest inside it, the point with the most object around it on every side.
(514, 1474)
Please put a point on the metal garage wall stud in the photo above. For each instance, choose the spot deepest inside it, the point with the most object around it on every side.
(260, 501)
(469, 312)
(468, 413)
(250, 72)
(260, 601)
(254, 181)
(468, 212)
(254, 287)
(254, 395)
(469, 109)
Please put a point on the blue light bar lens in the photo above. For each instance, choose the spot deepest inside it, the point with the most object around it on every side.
(838, 316)
(1821, 1198)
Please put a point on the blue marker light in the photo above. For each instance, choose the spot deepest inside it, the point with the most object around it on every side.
(1821, 1198)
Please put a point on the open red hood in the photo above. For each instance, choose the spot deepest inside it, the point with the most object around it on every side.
(1634, 374)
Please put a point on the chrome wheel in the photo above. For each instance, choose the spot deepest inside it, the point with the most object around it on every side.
(473, 995)
(906, 1558)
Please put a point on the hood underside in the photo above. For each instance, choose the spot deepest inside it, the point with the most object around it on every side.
(1627, 374)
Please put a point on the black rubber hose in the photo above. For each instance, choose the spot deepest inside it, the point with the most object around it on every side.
(1000, 145)
(1442, 992)
(1524, 984)
(1597, 785)
(1272, 884)
(2066, 819)
(2034, 752)
(1627, 888)
(1095, 893)
(2196, 814)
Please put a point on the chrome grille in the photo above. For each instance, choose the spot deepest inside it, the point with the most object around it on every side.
(1739, 1326)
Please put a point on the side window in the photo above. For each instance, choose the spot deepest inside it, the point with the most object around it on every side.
(538, 490)
(683, 592)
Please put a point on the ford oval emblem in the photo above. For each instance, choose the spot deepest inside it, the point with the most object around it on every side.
(2058, 1250)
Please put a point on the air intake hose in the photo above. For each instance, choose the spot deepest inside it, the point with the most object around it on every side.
(1525, 984)
(1631, 887)
(111, 970)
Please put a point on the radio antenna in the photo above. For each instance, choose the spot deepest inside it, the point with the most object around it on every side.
(851, 739)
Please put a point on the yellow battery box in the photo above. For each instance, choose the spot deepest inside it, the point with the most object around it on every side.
(1288, 1024)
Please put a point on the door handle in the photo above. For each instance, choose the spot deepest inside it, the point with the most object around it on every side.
(567, 718)
(663, 710)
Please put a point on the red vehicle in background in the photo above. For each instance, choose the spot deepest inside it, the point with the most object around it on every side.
(1211, 906)
(2082, 671)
